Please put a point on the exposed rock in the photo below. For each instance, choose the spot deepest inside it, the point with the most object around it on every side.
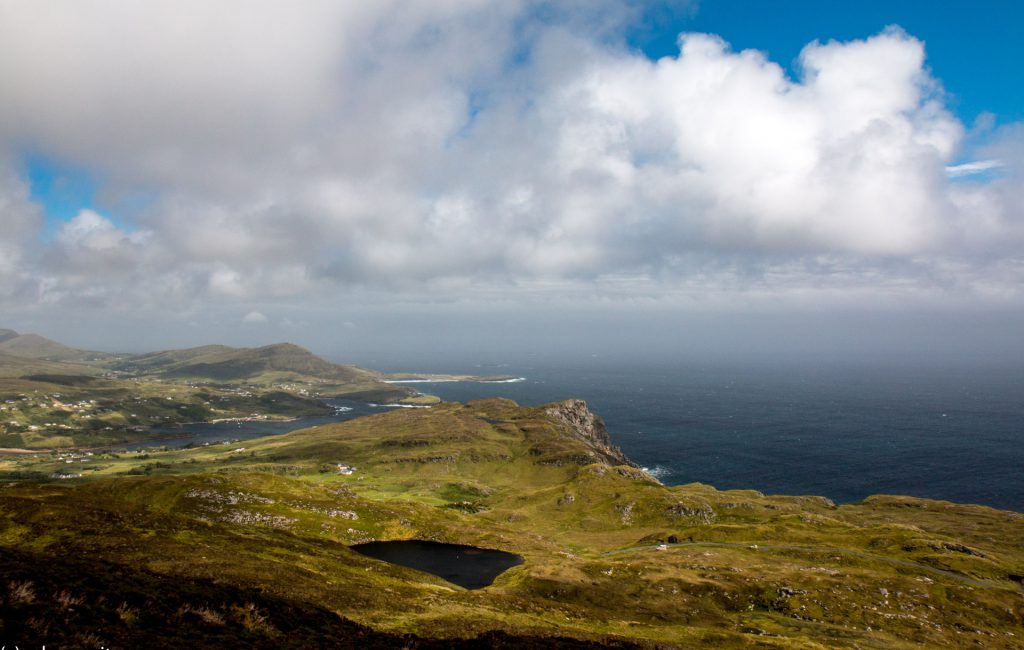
(344, 514)
(626, 512)
(575, 459)
(251, 518)
(228, 498)
(636, 474)
(702, 512)
(426, 459)
(816, 501)
(589, 428)
(960, 548)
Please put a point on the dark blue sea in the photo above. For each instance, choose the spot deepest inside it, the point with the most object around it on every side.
(842, 431)
(845, 431)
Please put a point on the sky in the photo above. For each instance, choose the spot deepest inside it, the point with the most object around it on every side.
(464, 179)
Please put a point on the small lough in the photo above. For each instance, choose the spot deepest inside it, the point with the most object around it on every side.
(466, 566)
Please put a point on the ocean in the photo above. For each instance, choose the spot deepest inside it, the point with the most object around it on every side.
(844, 431)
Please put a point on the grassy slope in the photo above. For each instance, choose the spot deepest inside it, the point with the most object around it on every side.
(282, 364)
(33, 346)
(745, 570)
(231, 364)
(12, 365)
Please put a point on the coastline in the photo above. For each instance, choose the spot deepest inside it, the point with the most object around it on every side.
(437, 378)
(17, 451)
(251, 418)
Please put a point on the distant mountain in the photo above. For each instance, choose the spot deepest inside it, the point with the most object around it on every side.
(283, 366)
(152, 363)
(233, 364)
(33, 346)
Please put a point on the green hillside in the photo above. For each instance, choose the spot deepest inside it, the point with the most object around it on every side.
(38, 347)
(12, 365)
(611, 555)
(232, 364)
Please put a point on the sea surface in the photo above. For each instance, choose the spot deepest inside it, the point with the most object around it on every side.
(841, 431)
(845, 431)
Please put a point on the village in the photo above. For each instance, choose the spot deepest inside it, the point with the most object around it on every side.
(38, 418)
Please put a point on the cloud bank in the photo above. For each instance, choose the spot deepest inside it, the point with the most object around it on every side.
(259, 154)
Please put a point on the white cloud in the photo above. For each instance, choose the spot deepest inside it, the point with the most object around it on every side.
(19, 221)
(93, 232)
(442, 151)
(254, 317)
(972, 168)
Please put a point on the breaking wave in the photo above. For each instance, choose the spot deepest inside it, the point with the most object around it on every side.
(658, 471)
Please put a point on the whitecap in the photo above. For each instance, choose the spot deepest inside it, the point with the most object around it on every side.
(658, 471)
(420, 381)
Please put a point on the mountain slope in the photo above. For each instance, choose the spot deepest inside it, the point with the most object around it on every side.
(34, 346)
(19, 366)
(235, 364)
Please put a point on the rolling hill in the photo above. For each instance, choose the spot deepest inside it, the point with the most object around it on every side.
(12, 365)
(224, 363)
(239, 544)
(33, 346)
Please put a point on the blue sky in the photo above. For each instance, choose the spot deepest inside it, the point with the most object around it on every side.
(974, 48)
(62, 191)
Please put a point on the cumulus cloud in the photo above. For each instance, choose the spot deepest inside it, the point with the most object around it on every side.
(479, 148)
(20, 220)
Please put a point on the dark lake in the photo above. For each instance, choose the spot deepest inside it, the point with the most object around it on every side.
(466, 566)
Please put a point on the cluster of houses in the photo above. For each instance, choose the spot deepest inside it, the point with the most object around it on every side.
(75, 457)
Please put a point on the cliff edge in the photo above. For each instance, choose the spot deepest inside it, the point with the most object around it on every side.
(582, 424)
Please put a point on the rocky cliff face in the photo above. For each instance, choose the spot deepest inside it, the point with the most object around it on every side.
(579, 422)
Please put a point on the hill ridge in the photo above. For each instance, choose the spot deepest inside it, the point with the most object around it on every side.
(35, 346)
(227, 363)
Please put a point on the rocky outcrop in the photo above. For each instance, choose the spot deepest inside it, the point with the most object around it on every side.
(577, 420)
(699, 511)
